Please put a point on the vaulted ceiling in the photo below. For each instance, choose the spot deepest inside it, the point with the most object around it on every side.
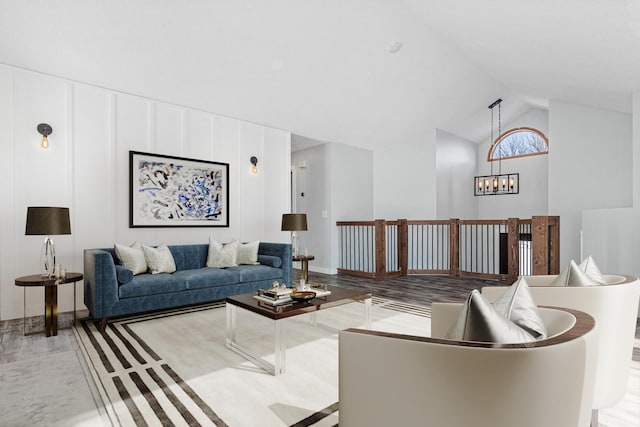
(324, 68)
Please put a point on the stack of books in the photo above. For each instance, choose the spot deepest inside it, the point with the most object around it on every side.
(274, 296)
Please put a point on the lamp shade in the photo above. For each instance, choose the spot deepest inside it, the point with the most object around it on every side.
(294, 222)
(47, 221)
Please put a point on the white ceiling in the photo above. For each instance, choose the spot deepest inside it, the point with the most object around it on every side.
(322, 68)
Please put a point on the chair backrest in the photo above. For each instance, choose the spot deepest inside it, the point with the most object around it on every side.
(614, 306)
(388, 379)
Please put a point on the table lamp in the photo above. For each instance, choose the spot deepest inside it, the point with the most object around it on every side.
(294, 222)
(47, 221)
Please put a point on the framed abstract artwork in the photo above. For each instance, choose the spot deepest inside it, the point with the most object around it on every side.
(168, 191)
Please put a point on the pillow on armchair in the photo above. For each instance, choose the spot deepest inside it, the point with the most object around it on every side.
(573, 275)
(518, 305)
(480, 321)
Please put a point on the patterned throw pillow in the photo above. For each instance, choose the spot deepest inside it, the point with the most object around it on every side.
(159, 259)
(132, 257)
(248, 253)
(222, 256)
(479, 321)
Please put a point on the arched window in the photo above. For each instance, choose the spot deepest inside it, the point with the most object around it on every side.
(518, 142)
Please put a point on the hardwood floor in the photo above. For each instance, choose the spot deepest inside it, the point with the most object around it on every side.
(417, 289)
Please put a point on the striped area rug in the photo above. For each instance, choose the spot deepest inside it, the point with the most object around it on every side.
(172, 367)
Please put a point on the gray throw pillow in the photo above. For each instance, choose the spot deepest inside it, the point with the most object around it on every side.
(518, 305)
(479, 321)
(573, 275)
(588, 265)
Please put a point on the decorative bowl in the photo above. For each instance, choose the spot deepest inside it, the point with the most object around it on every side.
(302, 295)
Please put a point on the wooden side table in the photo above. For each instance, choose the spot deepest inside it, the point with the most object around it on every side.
(304, 263)
(50, 298)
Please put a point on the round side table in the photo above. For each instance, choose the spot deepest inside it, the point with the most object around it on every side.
(50, 298)
(304, 264)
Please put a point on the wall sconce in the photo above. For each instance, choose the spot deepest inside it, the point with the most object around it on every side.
(254, 162)
(44, 130)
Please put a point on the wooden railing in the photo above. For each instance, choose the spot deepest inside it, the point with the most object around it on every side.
(496, 249)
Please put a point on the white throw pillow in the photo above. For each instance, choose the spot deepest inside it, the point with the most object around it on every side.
(159, 259)
(132, 257)
(248, 253)
(518, 305)
(573, 275)
(479, 321)
(588, 265)
(221, 256)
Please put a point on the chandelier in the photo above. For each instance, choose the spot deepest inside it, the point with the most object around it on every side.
(500, 183)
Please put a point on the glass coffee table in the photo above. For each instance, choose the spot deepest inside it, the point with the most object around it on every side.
(277, 313)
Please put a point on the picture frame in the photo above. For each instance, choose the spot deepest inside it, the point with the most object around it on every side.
(168, 191)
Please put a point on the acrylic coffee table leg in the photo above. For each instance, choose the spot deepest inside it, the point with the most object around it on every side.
(276, 368)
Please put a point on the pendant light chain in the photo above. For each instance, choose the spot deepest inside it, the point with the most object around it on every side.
(499, 133)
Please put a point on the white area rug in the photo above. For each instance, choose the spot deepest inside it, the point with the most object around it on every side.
(173, 368)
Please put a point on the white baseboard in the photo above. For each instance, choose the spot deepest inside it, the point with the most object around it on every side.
(321, 270)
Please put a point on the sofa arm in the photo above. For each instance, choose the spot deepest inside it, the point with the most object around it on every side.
(100, 282)
(282, 251)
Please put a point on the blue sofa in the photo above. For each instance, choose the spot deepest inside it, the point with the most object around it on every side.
(192, 282)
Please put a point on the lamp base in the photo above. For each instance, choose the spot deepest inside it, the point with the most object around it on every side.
(294, 243)
(47, 258)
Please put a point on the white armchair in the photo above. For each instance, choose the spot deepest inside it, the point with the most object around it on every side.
(390, 379)
(614, 306)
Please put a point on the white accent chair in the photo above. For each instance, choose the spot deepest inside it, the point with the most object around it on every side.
(614, 306)
(392, 379)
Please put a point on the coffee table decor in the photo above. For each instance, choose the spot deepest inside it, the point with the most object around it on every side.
(301, 296)
(278, 294)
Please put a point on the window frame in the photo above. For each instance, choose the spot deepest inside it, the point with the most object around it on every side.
(504, 135)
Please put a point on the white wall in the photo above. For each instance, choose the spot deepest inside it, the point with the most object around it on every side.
(612, 236)
(532, 198)
(338, 186)
(404, 179)
(590, 167)
(455, 168)
(87, 170)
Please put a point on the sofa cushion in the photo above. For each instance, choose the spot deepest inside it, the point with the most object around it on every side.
(189, 257)
(479, 321)
(248, 253)
(132, 257)
(221, 256)
(151, 284)
(123, 274)
(208, 277)
(270, 260)
(159, 259)
(518, 305)
(254, 273)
